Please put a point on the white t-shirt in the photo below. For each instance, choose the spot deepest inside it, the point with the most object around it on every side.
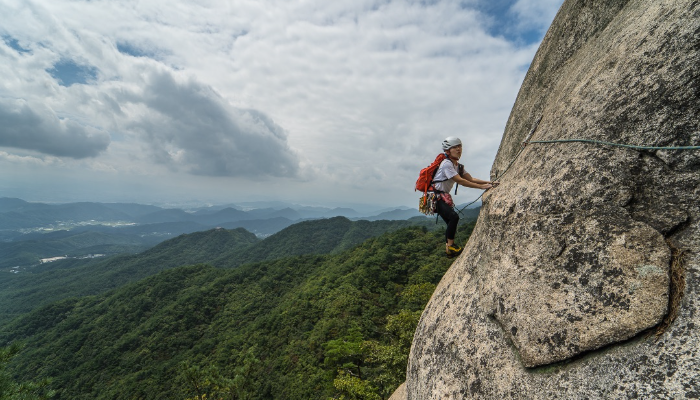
(446, 171)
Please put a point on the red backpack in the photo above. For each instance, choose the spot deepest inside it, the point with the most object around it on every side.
(425, 178)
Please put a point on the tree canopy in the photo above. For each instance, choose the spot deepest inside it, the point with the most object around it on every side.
(301, 326)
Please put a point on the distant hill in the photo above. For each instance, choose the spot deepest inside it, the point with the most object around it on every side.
(132, 209)
(13, 220)
(82, 212)
(130, 227)
(17, 214)
(286, 213)
(313, 237)
(341, 212)
(67, 243)
(314, 212)
(218, 247)
(212, 209)
(260, 227)
(261, 213)
(26, 250)
(228, 214)
(163, 230)
(23, 292)
(169, 215)
(8, 204)
(396, 215)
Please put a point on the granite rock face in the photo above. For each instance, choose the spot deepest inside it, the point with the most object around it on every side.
(581, 277)
(399, 393)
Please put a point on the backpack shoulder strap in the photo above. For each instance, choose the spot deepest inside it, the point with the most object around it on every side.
(460, 171)
(444, 157)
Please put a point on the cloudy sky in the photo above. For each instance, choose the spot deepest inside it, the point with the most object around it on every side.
(311, 101)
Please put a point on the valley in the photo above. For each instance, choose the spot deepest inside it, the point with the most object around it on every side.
(300, 313)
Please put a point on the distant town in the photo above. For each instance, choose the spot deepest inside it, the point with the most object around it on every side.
(52, 259)
(17, 269)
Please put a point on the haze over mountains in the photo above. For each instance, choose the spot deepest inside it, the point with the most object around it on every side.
(32, 233)
(19, 214)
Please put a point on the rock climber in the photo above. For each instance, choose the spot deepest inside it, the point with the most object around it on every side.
(448, 173)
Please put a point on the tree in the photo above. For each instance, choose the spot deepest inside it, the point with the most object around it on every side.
(354, 388)
(11, 390)
(346, 353)
(209, 383)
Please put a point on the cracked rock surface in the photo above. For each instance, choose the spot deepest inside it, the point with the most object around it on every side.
(574, 261)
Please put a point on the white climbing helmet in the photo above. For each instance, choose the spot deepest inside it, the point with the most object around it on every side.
(450, 142)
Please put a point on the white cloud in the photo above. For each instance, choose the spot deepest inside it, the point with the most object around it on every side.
(350, 95)
(188, 126)
(29, 160)
(170, 116)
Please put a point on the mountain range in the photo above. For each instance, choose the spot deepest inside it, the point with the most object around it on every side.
(32, 232)
(16, 214)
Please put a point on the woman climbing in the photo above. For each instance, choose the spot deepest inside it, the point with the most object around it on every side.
(448, 173)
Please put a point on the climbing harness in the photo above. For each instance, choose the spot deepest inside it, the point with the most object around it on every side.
(599, 142)
(427, 204)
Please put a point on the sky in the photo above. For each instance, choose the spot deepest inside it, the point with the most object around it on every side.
(314, 102)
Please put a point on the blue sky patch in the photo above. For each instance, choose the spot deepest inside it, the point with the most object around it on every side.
(12, 42)
(504, 23)
(68, 72)
(130, 49)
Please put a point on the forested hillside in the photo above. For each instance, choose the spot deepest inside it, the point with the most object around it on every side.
(218, 247)
(316, 237)
(301, 327)
(23, 292)
(67, 243)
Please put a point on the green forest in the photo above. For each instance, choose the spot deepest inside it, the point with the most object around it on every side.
(321, 310)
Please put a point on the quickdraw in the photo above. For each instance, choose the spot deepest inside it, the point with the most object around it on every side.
(427, 204)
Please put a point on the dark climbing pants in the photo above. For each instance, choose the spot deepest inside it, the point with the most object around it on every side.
(449, 215)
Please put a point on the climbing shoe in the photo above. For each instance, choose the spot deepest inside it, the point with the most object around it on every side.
(453, 250)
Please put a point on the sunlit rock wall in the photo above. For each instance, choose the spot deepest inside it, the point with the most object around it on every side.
(570, 282)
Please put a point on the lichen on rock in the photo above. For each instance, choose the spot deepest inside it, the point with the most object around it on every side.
(566, 284)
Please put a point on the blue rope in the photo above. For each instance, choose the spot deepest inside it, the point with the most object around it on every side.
(628, 146)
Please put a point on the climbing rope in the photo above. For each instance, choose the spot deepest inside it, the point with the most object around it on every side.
(600, 142)
(529, 135)
(629, 146)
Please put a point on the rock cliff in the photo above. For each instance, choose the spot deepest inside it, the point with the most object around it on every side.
(581, 277)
